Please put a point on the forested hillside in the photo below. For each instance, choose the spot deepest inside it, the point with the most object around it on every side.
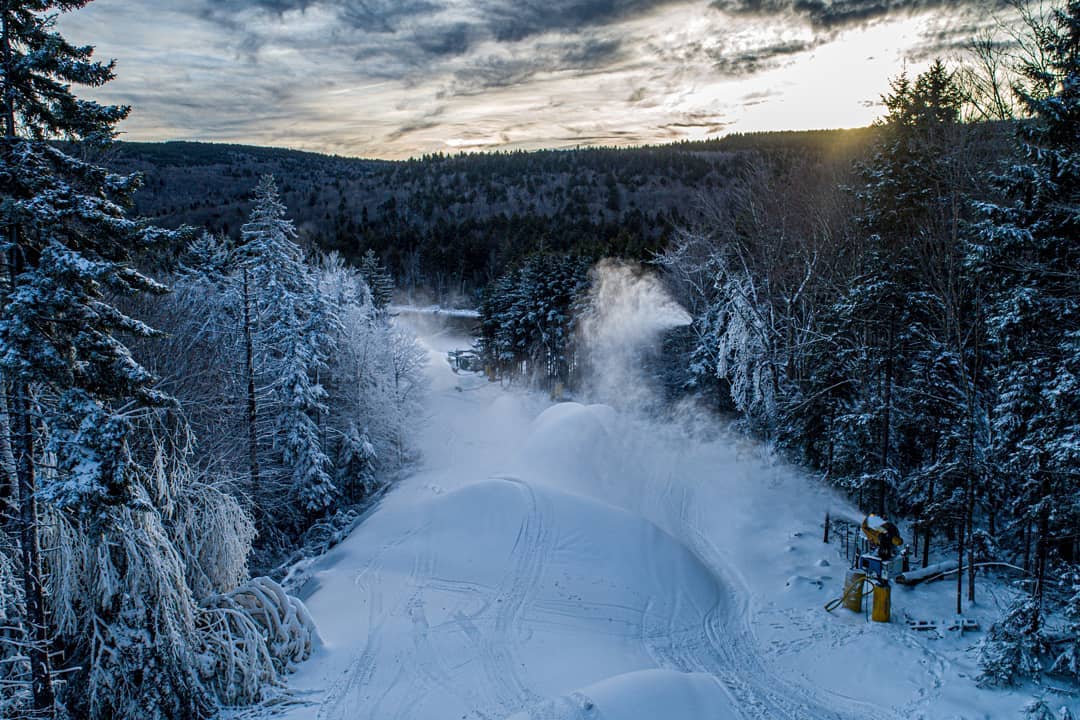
(451, 224)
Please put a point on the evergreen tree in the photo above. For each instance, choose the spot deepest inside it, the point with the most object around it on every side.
(207, 258)
(356, 464)
(1067, 662)
(378, 280)
(1038, 710)
(527, 319)
(1013, 649)
(894, 307)
(66, 243)
(495, 345)
(1028, 259)
(289, 325)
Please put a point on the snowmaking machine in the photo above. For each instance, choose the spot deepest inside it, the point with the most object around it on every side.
(872, 567)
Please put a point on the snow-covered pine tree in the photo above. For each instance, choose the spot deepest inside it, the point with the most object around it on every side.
(911, 206)
(289, 326)
(1027, 258)
(374, 376)
(1037, 709)
(355, 470)
(378, 279)
(305, 406)
(495, 344)
(527, 318)
(206, 258)
(1013, 648)
(65, 240)
(1067, 661)
(96, 453)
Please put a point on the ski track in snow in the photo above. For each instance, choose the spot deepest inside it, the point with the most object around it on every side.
(433, 644)
(530, 548)
(351, 686)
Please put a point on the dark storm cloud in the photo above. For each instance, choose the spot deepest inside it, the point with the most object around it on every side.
(374, 15)
(838, 13)
(505, 70)
(511, 21)
(405, 130)
(747, 62)
(501, 20)
(449, 40)
(408, 39)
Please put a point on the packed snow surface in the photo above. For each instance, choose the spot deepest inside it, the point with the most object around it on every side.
(573, 561)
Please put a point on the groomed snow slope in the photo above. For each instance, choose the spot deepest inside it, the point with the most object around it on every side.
(569, 561)
(501, 595)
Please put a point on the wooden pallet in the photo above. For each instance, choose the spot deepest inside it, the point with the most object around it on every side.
(954, 625)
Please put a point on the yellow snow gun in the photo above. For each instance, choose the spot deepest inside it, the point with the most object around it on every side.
(884, 537)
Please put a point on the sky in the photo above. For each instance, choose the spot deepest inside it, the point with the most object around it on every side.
(401, 78)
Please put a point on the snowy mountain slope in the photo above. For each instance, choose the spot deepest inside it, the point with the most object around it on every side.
(572, 561)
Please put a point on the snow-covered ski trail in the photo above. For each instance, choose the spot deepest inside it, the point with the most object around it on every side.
(493, 584)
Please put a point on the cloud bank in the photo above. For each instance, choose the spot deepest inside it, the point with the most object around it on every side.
(394, 78)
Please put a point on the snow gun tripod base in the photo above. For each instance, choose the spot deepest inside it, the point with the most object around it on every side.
(872, 569)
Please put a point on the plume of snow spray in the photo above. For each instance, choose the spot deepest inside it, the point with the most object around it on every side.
(627, 312)
(682, 468)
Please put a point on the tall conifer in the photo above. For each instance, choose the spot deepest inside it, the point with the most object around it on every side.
(65, 241)
(1029, 259)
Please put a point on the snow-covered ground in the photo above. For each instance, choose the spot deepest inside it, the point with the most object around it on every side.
(572, 561)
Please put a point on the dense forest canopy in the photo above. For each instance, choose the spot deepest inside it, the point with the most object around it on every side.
(450, 224)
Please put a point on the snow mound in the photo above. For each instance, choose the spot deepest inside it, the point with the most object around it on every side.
(506, 595)
(571, 446)
(642, 695)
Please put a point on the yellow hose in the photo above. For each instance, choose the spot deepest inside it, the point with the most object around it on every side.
(833, 604)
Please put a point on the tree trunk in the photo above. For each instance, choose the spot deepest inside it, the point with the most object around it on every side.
(971, 539)
(971, 465)
(927, 532)
(38, 651)
(9, 494)
(1040, 576)
(960, 569)
(886, 422)
(252, 407)
(926, 546)
(1027, 546)
(1041, 543)
(21, 433)
(20, 427)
